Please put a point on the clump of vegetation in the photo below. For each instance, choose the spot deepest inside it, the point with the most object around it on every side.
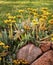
(29, 25)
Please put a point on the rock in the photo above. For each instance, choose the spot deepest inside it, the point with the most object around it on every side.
(45, 46)
(45, 59)
(29, 52)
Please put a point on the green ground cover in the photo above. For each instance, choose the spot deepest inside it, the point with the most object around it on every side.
(12, 6)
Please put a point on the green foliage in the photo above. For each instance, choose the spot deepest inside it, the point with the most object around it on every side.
(19, 29)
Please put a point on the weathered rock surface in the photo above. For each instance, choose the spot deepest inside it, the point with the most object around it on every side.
(29, 52)
(45, 46)
(45, 59)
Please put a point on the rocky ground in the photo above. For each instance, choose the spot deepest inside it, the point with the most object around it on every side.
(42, 55)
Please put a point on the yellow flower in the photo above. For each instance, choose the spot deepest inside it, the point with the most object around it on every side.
(34, 10)
(46, 13)
(52, 16)
(18, 62)
(27, 27)
(34, 22)
(19, 16)
(13, 21)
(44, 17)
(35, 14)
(44, 9)
(6, 47)
(1, 43)
(25, 62)
(8, 14)
(50, 21)
(41, 20)
(30, 9)
(21, 11)
(51, 35)
(35, 17)
(11, 17)
(0, 58)
(9, 21)
(6, 21)
(51, 38)
(15, 61)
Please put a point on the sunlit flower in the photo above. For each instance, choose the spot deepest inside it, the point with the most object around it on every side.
(51, 35)
(50, 21)
(1, 43)
(30, 9)
(34, 10)
(13, 21)
(51, 38)
(35, 22)
(11, 17)
(41, 20)
(46, 13)
(21, 11)
(18, 62)
(9, 21)
(6, 47)
(8, 14)
(27, 27)
(19, 16)
(15, 61)
(35, 14)
(6, 21)
(44, 9)
(31, 13)
(44, 17)
(0, 58)
(52, 16)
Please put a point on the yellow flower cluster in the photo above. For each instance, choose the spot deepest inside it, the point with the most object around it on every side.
(21, 61)
(3, 45)
(6, 47)
(10, 19)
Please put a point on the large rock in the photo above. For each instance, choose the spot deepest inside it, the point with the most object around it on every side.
(29, 52)
(45, 45)
(45, 59)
